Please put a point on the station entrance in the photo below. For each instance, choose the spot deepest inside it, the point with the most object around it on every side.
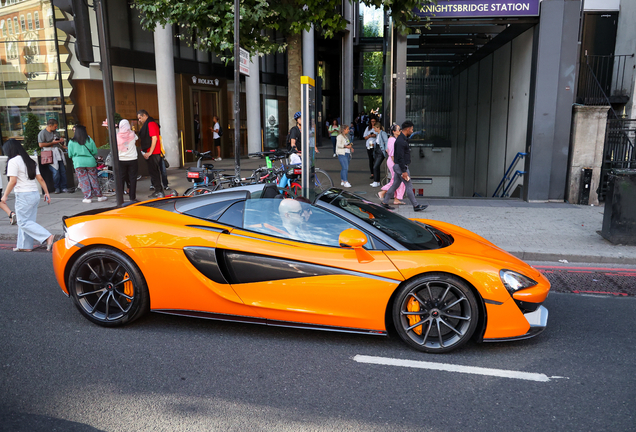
(468, 92)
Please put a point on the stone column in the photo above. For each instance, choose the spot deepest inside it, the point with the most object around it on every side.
(253, 96)
(588, 142)
(346, 103)
(166, 93)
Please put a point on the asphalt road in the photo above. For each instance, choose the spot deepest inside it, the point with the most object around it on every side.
(59, 372)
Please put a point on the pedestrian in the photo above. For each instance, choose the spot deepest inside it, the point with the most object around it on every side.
(6, 208)
(82, 150)
(127, 150)
(49, 139)
(369, 135)
(334, 130)
(344, 148)
(401, 174)
(216, 128)
(23, 173)
(380, 153)
(352, 132)
(390, 148)
(294, 136)
(151, 150)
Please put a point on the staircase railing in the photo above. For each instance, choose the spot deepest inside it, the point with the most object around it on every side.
(505, 190)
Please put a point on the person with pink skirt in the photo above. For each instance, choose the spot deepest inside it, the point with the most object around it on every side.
(399, 193)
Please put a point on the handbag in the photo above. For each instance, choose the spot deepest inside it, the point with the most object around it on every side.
(165, 162)
(46, 157)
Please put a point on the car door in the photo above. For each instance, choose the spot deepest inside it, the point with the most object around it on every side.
(306, 280)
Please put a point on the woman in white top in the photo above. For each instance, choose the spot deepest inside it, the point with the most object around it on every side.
(23, 173)
(127, 149)
(344, 149)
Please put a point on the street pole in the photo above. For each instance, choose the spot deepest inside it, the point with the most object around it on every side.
(237, 89)
(109, 95)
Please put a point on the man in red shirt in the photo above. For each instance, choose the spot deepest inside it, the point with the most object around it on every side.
(149, 140)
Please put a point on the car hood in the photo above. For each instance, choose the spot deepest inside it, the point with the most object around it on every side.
(467, 243)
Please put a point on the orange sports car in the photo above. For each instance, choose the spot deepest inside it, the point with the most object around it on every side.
(341, 263)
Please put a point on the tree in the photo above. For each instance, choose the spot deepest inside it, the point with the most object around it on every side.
(31, 131)
(209, 26)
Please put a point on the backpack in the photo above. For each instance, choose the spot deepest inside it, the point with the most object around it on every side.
(289, 137)
(220, 132)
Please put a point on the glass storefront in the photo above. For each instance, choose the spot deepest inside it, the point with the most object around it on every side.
(29, 73)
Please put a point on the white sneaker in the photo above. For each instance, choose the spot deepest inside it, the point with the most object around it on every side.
(346, 184)
(375, 184)
(218, 159)
(87, 200)
(334, 155)
(102, 198)
(341, 183)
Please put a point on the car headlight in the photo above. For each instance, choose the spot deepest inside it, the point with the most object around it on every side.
(514, 281)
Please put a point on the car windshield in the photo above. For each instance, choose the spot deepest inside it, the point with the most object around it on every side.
(410, 234)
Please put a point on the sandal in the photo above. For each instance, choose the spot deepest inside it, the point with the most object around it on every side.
(22, 250)
(13, 219)
(397, 202)
(49, 245)
(381, 194)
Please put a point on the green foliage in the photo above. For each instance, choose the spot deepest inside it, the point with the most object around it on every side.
(31, 131)
(212, 22)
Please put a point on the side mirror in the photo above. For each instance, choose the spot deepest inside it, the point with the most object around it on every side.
(352, 238)
(355, 239)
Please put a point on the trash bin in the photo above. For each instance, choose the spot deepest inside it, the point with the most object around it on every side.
(619, 217)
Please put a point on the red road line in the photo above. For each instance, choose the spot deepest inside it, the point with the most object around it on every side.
(599, 292)
(583, 268)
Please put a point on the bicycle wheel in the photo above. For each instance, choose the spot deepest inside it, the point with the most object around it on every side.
(322, 180)
(196, 191)
(106, 182)
(289, 192)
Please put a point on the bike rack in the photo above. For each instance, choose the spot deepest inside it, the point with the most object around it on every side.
(518, 173)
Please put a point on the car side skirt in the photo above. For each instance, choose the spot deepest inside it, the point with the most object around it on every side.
(263, 321)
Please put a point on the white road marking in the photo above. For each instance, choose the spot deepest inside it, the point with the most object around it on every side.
(502, 373)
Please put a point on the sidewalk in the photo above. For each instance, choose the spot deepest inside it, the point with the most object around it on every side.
(530, 231)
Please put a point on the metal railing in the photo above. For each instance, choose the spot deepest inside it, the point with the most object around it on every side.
(620, 135)
(603, 79)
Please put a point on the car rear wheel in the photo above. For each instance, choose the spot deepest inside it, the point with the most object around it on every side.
(435, 313)
(108, 288)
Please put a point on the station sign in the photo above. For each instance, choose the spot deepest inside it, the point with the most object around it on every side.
(478, 8)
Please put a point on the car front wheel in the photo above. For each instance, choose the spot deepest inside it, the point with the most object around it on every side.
(108, 288)
(435, 313)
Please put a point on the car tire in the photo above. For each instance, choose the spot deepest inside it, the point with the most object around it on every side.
(435, 313)
(108, 288)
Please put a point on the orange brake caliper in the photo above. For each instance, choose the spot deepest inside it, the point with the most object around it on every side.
(128, 287)
(414, 306)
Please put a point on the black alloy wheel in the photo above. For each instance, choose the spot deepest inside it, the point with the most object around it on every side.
(108, 288)
(435, 313)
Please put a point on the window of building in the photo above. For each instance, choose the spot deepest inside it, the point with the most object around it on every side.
(12, 50)
(4, 29)
(22, 23)
(30, 21)
(37, 20)
(50, 15)
(10, 26)
(16, 25)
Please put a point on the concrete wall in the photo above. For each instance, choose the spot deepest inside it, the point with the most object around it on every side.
(626, 44)
(588, 141)
(551, 99)
(491, 105)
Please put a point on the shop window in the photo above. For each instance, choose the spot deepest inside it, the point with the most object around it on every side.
(22, 23)
(37, 20)
(30, 21)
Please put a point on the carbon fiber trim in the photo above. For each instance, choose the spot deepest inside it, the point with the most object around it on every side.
(204, 260)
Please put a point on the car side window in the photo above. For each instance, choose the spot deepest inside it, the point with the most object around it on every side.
(233, 216)
(294, 220)
(211, 211)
